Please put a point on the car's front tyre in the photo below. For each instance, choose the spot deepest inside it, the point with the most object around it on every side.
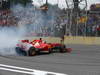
(62, 49)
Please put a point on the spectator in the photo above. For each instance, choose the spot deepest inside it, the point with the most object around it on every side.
(98, 30)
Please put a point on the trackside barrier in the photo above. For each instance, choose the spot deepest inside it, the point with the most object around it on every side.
(72, 40)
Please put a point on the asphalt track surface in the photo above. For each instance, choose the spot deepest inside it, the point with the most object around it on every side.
(83, 60)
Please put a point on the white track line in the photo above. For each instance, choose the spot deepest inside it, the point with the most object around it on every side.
(14, 67)
(18, 71)
(27, 70)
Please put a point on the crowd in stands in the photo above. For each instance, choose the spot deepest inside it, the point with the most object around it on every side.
(91, 28)
(7, 18)
(92, 25)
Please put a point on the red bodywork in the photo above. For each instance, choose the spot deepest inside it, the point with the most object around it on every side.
(46, 47)
(42, 46)
(49, 46)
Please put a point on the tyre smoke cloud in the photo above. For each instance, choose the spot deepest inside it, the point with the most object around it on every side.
(35, 20)
(30, 20)
(9, 36)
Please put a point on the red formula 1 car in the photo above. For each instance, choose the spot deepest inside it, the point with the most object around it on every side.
(24, 47)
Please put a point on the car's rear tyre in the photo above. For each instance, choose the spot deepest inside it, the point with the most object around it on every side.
(19, 51)
(50, 51)
(32, 51)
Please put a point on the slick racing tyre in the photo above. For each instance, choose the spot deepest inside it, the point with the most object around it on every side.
(62, 49)
(50, 51)
(20, 51)
(32, 51)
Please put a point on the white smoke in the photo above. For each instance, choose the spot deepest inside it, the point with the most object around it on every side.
(34, 20)
(30, 20)
(9, 37)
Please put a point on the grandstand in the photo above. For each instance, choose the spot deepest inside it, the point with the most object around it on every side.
(6, 15)
(94, 19)
(75, 20)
